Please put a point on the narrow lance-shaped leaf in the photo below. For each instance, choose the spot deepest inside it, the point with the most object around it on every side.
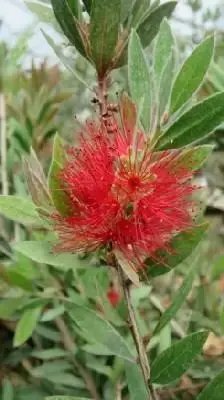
(19, 209)
(42, 252)
(149, 26)
(179, 299)
(36, 182)
(59, 196)
(135, 382)
(166, 81)
(183, 245)
(68, 23)
(104, 28)
(163, 48)
(101, 331)
(195, 124)
(214, 390)
(65, 398)
(192, 74)
(65, 59)
(26, 325)
(139, 9)
(139, 79)
(173, 362)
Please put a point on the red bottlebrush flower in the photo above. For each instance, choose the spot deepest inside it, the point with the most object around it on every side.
(123, 194)
(113, 297)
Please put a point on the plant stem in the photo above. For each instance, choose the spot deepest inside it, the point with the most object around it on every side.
(142, 356)
(3, 143)
(102, 93)
(70, 345)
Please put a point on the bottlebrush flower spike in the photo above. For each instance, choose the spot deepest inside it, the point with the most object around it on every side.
(122, 194)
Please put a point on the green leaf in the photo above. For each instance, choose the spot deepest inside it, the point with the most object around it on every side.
(139, 79)
(75, 7)
(42, 252)
(166, 81)
(9, 306)
(214, 390)
(102, 332)
(49, 354)
(65, 398)
(173, 362)
(7, 390)
(183, 245)
(163, 48)
(135, 382)
(26, 325)
(179, 299)
(59, 196)
(104, 28)
(193, 158)
(19, 209)
(96, 349)
(149, 26)
(195, 124)
(139, 9)
(88, 5)
(43, 11)
(12, 276)
(50, 315)
(66, 379)
(65, 59)
(36, 182)
(68, 24)
(192, 73)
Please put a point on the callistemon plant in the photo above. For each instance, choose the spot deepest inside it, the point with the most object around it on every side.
(126, 191)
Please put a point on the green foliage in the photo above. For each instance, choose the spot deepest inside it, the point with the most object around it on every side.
(41, 252)
(192, 74)
(75, 342)
(33, 110)
(26, 325)
(214, 390)
(180, 297)
(58, 195)
(102, 332)
(19, 209)
(195, 124)
(135, 382)
(183, 244)
(69, 23)
(103, 30)
(139, 79)
(173, 362)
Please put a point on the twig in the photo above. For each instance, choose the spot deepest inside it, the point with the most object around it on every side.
(70, 345)
(142, 356)
(5, 186)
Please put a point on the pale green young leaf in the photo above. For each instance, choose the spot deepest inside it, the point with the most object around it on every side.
(19, 209)
(42, 252)
(192, 74)
(139, 79)
(135, 381)
(163, 48)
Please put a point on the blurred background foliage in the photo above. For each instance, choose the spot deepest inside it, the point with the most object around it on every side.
(40, 359)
